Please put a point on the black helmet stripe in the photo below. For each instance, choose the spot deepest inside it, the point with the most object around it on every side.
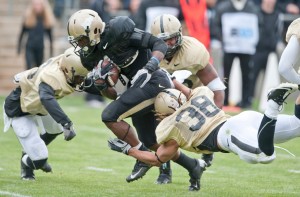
(161, 24)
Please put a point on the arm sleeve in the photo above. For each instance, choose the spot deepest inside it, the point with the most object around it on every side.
(289, 59)
(51, 105)
(142, 39)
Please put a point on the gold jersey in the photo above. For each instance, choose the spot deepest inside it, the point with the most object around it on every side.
(49, 73)
(192, 56)
(190, 125)
(293, 29)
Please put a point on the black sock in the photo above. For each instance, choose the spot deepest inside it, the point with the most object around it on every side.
(165, 167)
(266, 135)
(48, 138)
(297, 111)
(186, 162)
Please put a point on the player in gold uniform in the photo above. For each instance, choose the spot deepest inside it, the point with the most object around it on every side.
(186, 53)
(289, 61)
(200, 126)
(33, 112)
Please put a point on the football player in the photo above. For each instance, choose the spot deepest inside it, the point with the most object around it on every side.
(290, 56)
(137, 54)
(187, 53)
(200, 126)
(33, 112)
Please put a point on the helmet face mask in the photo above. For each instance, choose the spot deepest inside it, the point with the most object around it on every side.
(166, 27)
(84, 29)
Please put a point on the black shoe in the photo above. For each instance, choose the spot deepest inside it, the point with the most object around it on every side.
(26, 172)
(46, 167)
(280, 93)
(195, 175)
(208, 158)
(138, 171)
(165, 174)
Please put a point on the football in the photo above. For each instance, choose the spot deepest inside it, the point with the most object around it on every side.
(108, 66)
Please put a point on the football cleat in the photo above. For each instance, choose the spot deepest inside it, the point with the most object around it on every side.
(26, 172)
(165, 174)
(195, 175)
(139, 170)
(46, 167)
(208, 158)
(281, 92)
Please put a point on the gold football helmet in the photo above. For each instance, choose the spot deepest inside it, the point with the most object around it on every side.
(71, 65)
(84, 29)
(168, 101)
(167, 26)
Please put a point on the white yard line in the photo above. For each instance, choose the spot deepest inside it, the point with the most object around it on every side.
(11, 194)
(99, 169)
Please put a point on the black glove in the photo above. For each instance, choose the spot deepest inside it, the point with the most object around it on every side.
(69, 131)
(144, 75)
(119, 145)
(99, 77)
(152, 65)
(140, 78)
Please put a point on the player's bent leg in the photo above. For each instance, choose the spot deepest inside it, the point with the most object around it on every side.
(276, 98)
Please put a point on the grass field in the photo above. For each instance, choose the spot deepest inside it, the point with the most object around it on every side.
(86, 167)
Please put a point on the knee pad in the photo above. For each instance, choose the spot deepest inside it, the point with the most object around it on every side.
(108, 116)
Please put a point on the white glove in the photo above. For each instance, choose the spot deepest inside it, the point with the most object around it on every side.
(181, 75)
(140, 78)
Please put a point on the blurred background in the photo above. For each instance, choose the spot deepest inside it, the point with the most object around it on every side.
(22, 36)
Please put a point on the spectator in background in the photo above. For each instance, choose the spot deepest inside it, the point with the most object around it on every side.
(268, 39)
(38, 19)
(236, 26)
(149, 9)
(290, 8)
(98, 6)
(133, 8)
(195, 17)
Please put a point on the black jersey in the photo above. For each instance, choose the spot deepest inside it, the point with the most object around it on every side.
(128, 47)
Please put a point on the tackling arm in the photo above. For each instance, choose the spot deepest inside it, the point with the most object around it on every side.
(209, 77)
(165, 152)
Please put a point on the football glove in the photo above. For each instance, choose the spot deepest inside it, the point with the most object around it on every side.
(69, 131)
(100, 74)
(119, 145)
(144, 75)
(140, 78)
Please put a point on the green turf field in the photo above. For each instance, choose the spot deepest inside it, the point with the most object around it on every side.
(86, 167)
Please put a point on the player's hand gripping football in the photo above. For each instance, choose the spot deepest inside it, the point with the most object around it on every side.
(69, 131)
(119, 145)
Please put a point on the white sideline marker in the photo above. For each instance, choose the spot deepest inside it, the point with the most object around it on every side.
(295, 171)
(11, 194)
(99, 169)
